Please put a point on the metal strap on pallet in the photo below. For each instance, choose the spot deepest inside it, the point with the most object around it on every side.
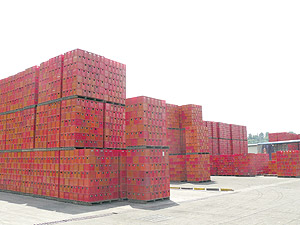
(148, 147)
(57, 149)
(81, 97)
(18, 110)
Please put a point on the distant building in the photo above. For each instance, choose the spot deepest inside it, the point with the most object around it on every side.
(252, 148)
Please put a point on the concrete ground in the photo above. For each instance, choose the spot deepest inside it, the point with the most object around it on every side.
(255, 200)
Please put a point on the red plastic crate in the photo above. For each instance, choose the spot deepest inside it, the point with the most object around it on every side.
(178, 167)
(81, 123)
(145, 122)
(92, 75)
(148, 175)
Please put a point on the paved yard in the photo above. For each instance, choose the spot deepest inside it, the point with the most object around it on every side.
(255, 200)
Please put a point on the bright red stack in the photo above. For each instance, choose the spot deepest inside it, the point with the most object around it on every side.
(198, 167)
(28, 128)
(31, 83)
(53, 125)
(227, 139)
(81, 123)
(173, 116)
(178, 167)
(94, 176)
(174, 141)
(41, 126)
(71, 101)
(191, 115)
(284, 136)
(272, 167)
(240, 164)
(196, 139)
(288, 163)
(114, 126)
(123, 174)
(147, 155)
(145, 122)
(195, 143)
(2, 132)
(34, 172)
(50, 79)
(148, 174)
(91, 75)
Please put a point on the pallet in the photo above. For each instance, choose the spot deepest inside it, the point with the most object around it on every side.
(147, 201)
(270, 175)
(197, 182)
(289, 176)
(245, 175)
(64, 200)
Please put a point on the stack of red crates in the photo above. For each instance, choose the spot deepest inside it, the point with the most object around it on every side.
(114, 126)
(50, 79)
(224, 138)
(288, 163)
(72, 101)
(197, 139)
(198, 167)
(81, 123)
(239, 164)
(41, 127)
(272, 165)
(89, 175)
(28, 128)
(284, 136)
(2, 132)
(145, 122)
(175, 143)
(14, 134)
(227, 139)
(94, 76)
(178, 167)
(196, 144)
(147, 155)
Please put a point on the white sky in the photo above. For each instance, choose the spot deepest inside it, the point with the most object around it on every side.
(238, 59)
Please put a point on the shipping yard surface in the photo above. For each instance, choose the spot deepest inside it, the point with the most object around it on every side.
(255, 200)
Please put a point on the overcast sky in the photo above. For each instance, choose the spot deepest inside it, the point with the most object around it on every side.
(238, 59)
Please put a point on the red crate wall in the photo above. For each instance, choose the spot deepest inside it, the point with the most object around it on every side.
(31, 82)
(114, 126)
(2, 132)
(272, 165)
(213, 165)
(41, 126)
(145, 122)
(50, 79)
(190, 115)
(81, 123)
(14, 131)
(240, 164)
(3, 95)
(288, 163)
(148, 175)
(178, 167)
(123, 174)
(198, 167)
(15, 92)
(30, 172)
(91, 75)
(28, 128)
(20, 90)
(53, 125)
(174, 141)
(197, 139)
(89, 175)
(172, 116)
